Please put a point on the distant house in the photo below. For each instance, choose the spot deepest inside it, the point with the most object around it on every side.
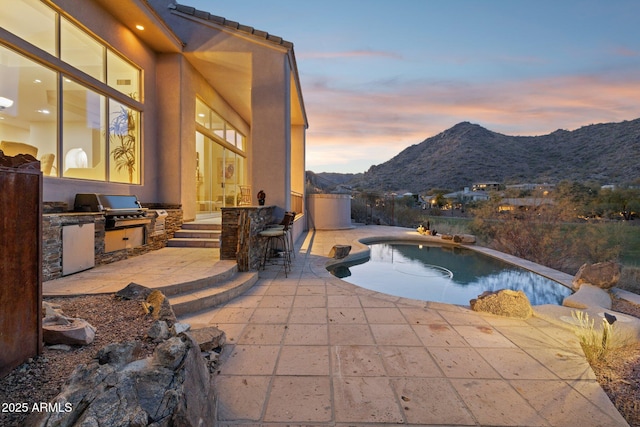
(467, 196)
(543, 188)
(163, 101)
(486, 186)
(523, 203)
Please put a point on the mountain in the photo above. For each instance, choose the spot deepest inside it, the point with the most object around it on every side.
(330, 182)
(466, 153)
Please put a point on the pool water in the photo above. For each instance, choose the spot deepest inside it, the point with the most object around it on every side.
(452, 275)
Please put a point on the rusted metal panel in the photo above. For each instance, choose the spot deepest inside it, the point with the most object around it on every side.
(20, 266)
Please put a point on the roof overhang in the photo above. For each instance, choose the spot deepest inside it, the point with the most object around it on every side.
(156, 34)
(234, 68)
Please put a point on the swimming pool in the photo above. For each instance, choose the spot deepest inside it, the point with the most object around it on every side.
(448, 274)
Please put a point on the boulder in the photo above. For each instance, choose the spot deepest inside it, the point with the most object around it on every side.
(159, 331)
(120, 354)
(339, 251)
(170, 388)
(464, 238)
(209, 338)
(504, 302)
(59, 329)
(135, 292)
(588, 296)
(604, 275)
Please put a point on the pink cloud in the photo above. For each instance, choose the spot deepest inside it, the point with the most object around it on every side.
(625, 51)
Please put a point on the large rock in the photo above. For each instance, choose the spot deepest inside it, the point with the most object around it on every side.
(339, 251)
(464, 238)
(503, 303)
(209, 338)
(588, 296)
(171, 388)
(604, 275)
(59, 329)
(135, 292)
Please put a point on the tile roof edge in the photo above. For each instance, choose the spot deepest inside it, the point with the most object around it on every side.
(188, 10)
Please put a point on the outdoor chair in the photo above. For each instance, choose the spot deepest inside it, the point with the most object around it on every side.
(280, 225)
(278, 237)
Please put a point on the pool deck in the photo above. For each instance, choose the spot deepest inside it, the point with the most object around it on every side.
(311, 349)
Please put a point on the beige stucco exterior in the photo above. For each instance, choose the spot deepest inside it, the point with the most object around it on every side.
(247, 76)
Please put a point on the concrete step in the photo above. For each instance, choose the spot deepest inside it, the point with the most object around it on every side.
(198, 234)
(193, 243)
(223, 271)
(200, 226)
(191, 302)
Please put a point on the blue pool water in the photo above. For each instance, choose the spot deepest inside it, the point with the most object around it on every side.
(452, 275)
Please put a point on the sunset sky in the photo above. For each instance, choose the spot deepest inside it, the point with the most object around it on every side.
(379, 76)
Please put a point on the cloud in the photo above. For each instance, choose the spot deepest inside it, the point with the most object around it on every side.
(367, 125)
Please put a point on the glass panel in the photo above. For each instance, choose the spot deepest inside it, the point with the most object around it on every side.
(203, 204)
(83, 133)
(231, 135)
(123, 76)
(124, 149)
(202, 114)
(217, 125)
(231, 179)
(28, 109)
(81, 51)
(240, 140)
(32, 21)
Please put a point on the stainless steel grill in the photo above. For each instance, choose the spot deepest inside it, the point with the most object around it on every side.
(120, 211)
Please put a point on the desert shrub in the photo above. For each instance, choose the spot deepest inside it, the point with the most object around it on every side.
(597, 343)
(544, 235)
(630, 279)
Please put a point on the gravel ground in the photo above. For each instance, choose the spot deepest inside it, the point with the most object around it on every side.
(41, 379)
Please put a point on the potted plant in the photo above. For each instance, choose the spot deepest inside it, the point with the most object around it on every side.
(122, 136)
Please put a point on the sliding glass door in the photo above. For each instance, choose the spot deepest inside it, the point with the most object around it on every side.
(219, 174)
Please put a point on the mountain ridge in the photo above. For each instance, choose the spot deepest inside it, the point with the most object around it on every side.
(606, 153)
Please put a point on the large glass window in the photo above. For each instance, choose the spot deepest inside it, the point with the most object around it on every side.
(80, 50)
(100, 136)
(30, 20)
(28, 109)
(83, 132)
(221, 165)
(123, 76)
(211, 120)
(124, 146)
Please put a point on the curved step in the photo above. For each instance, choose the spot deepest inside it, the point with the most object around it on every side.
(201, 299)
(224, 270)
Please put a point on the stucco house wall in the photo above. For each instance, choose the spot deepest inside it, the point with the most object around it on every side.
(248, 77)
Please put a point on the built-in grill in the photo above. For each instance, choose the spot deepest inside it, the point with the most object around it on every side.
(120, 211)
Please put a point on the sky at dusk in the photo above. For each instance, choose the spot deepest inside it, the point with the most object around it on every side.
(379, 76)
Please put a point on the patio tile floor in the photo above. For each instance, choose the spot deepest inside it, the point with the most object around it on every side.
(310, 349)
